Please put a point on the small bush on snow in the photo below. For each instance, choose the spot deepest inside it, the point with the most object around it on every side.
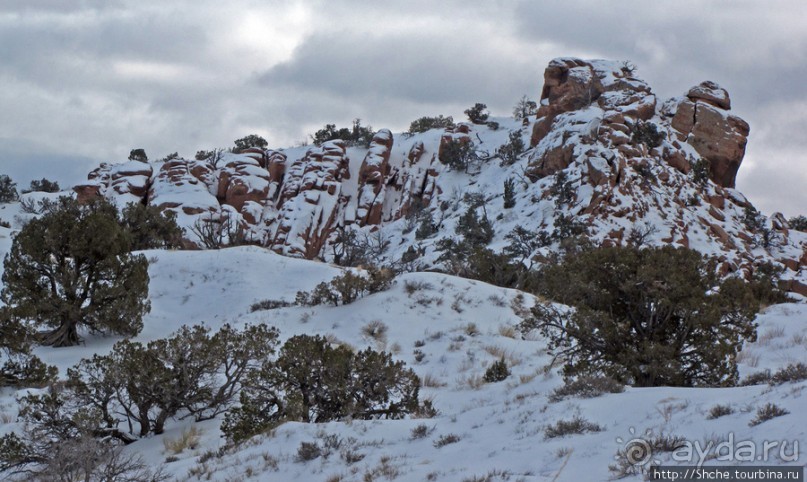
(376, 330)
(759, 378)
(719, 411)
(767, 412)
(421, 431)
(577, 425)
(497, 372)
(586, 387)
(446, 439)
(791, 373)
(188, 439)
(268, 305)
(307, 451)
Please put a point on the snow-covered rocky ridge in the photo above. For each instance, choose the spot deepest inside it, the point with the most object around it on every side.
(449, 330)
(294, 200)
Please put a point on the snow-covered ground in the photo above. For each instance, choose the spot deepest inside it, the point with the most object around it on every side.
(460, 327)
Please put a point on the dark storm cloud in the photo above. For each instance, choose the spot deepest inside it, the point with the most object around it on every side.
(400, 67)
(55, 6)
(17, 159)
(745, 45)
(91, 79)
(77, 47)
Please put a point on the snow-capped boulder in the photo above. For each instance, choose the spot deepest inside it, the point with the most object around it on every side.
(711, 93)
(242, 179)
(130, 180)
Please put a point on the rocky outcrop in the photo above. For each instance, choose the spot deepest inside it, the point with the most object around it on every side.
(590, 102)
(582, 103)
(123, 183)
(243, 180)
(311, 200)
(130, 178)
(85, 192)
(184, 186)
(702, 120)
(372, 179)
(569, 84)
(624, 162)
(603, 157)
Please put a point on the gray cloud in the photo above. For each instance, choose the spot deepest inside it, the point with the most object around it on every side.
(86, 81)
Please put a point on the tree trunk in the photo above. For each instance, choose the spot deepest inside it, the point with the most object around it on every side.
(159, 422)
(143, 419)
(65, 335)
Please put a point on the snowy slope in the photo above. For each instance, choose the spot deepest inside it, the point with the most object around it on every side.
(448, 329)
(461, 326)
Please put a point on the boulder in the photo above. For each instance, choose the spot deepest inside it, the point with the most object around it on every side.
(711, 93)
(569, 84)
(88, 191)
(175, 186)
(242, 179)
(552, 161)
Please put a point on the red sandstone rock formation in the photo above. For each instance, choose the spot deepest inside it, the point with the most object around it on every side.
(372, 179)
(702, 120)
(311, 200)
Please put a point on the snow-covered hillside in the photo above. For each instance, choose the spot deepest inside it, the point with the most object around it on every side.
(600, 152)
(449, 330)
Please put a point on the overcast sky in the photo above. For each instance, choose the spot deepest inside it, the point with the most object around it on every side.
(84, 81)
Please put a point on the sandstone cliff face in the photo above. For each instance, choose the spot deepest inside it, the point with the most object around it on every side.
(631, 167)
(311, 200)
(373, 174)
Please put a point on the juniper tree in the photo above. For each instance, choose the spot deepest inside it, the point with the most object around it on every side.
(62, 443)
(799, 223)
(478, 113)
(476, 231)
(20, 368)
(138, 155)
(509, 193)
(8, 189)
(357, 135)
(192, 373)
(458, 154)
(151, 228)
(427, 226)
(512, 150)
(423, 124)
(72, 268)
(648, 134)
(44, 185)
(252, 140)
(647, 317)
(314, 381)
(524, 108)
